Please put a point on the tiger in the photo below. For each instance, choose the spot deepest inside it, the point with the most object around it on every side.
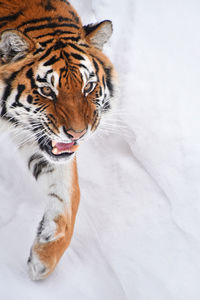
(56, 88)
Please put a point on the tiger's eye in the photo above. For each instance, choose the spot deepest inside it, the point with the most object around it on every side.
(47, 91)
(90, 86)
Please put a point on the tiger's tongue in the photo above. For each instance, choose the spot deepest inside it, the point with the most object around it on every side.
(59, 148)
(63, 146)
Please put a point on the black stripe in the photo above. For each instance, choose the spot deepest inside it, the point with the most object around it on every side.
(46, 53)
(96, 116)
(41, 108)
(29, 74)
(104, 83)
(42, 141)
(44, 107)
(52, 116)
(99, 60)
(75, 76)
(50, 121)
(108, 80)
(106, 106)
(76, 18)
(47, 5)
(48, 72)
(71, 38)
(32, 158)
(108, 76)
(66, 54)
(41, 79)
(84, 45)
(62, 19)
(20, 89)
(39, 231)
(34, 21)
(83, 66)
(77, 56)
(36, 100)
(76, 47)
(51, 25)
(10, 17)
(63, 72)
(56, 32)
(3, 24)
(49, 129)
(29, 99)
(43, 44)
(7, 92)
(56, 196)
(100, 91)
(65, 1)
(38, 168)
(38, 51)
(96, 67)
(51, 61)
(35, 128)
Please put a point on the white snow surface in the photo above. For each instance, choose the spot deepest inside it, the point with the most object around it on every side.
(137, 234)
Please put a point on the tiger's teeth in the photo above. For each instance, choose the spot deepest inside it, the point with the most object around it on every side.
(53, 143)
(55, 151)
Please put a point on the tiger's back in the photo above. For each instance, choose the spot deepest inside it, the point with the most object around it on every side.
(19, 13)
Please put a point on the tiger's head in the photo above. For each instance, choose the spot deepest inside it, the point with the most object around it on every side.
(56, 88)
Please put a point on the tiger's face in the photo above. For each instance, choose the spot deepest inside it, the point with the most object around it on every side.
(57, 94)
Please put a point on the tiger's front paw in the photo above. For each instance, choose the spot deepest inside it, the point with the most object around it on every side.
(44, 258)
(36, 268)
(51, 241)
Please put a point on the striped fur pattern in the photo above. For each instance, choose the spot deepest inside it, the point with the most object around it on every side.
(56, 86)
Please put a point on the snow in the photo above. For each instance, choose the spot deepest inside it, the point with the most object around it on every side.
(137, 233)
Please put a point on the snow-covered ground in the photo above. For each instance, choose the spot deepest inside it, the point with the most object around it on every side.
(137, 234)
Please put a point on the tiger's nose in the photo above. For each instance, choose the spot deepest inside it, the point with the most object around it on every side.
(75, 134)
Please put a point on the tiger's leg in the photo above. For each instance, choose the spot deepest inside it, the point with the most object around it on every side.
(56, 227)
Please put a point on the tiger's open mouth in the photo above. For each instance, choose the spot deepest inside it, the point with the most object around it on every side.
(59, 149)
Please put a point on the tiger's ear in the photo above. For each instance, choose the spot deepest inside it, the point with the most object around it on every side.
(14, 46)
(98, 34)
